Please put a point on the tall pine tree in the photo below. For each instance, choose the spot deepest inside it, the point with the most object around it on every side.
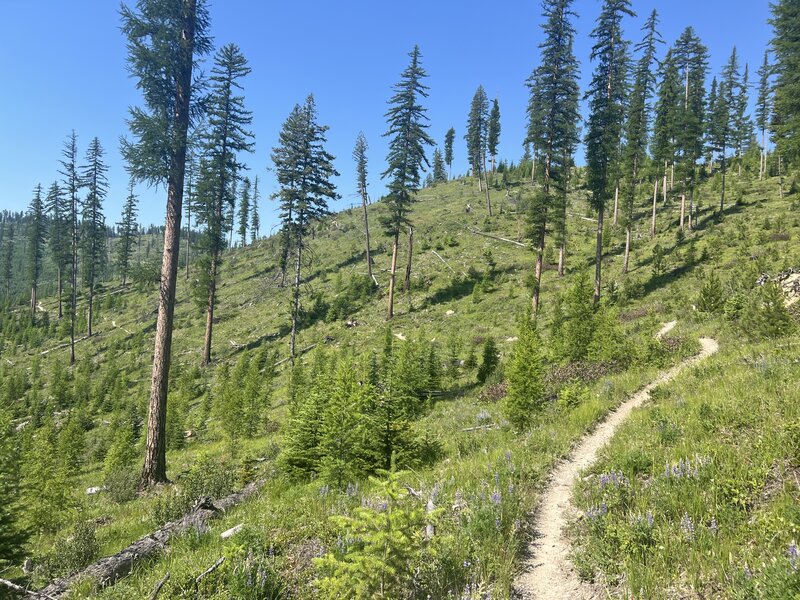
(493, 131)
(449, 138)
(304, 170)
(406, 159)
(255, 220)
(93, 234)
(72, 184)
(786, 101)
(607, 96)
(164, 39)
(553, 124)
(227, 135)
(244, 210)
(360, 157)
(59, 237)
(763, 108)
(37, 231)
(637, 126)
(477, 138)
(127, 232)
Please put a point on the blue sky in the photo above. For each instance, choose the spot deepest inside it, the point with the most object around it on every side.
(62, 65)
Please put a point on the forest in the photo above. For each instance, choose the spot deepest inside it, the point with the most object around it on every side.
(566, 373)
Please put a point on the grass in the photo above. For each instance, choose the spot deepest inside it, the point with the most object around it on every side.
(291, 517)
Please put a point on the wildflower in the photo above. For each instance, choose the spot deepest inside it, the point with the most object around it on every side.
(323, 491)
(713, 526)
(496, 497)
(793, 555)
(510, 489)
(687, 526)
(747, 572)
(649, 518)
(351, 490)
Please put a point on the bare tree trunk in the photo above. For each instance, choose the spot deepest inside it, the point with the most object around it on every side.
(533, 166)
(154, 470)
(212, 295)
(407, 280)
(486, 187)
(538, 268)
(562, 251)
(60, 290)
(74, 284)
(780, 174)
(598, 256)
(33, 301)
(91, 308)
(683, 209)
(655, 197)
(616, 205)
(722, 197)
(366, 230)
(672, 176)
(296, 299)
(188, 235)
(392, 271)
(627, 247)
(762, 166)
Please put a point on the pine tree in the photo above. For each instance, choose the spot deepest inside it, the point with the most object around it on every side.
(93, 234)
(637, 126)
(7, 259)
(244, 211)
(225, 138)
(43, 484)
(449, 138)
(72, 184)
(553, 125)
(607, 95)
(127, 232)
(691, 58)
(439, 173)
(360, 156)
(724, 117)
(743, 124)
(493, 131)
(786, 101)
(164, 37)
(525, 375)
(406, 160)
(36, 239)
(58, 236)
(476, 138)
(255, 220)
(667, 120)
(304, 170)
(12, 534)
(763, 109)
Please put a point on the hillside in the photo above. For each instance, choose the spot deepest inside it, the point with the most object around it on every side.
(479, 478)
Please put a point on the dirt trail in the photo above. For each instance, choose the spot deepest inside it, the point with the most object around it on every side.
(548, 573)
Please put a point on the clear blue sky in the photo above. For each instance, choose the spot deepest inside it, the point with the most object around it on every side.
(62, 65)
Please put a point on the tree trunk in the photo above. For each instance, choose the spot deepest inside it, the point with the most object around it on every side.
(683, 209)
(538, 268)
(533, 166)
(296, 298)
(486, 186)
(366, 230)
(762, 167)
(562, 251)
(780, 174)
(188, 236)
(722, 197)
(73, 283)
(672, 176)
(407, 280)
(91, 308)
(655, 197)
(212, 296)
(392, 271)
(616, 205)
(33, 301)
(598, 256)
(60, 291)
(154, 470)
(627, 247)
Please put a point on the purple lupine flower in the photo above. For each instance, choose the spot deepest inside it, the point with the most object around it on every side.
(649, 518)
(517, 525)
(793, 555)
(496, 497)
(351, 490)
(687, 526)
(713, 526)
(747, 572)
(510, 489)
(496, 478)
(323, 491)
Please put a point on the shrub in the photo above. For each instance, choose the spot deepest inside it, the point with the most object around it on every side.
(72, 553)
(525, 378)
(490, 360)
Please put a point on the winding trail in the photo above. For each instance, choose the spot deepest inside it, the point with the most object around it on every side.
(548, 573)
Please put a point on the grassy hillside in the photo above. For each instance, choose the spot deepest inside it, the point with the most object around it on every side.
(480, 475)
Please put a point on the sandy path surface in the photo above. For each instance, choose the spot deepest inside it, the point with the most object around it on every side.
(548, 573)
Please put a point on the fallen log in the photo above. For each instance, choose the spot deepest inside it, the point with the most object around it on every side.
(159, 585)
(496, 237)
(107, 571)
(21, 590)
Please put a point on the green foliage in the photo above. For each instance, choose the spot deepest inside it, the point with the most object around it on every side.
(207, 478)
(72, 552)
(524, 374)
(571, 327)
(12, 535)
(380, 543)
(44, 485)
(766, 315)
(712, 296)
(490, 358)
(72, 445)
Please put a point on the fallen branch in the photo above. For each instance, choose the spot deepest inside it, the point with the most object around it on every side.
(288, 358)
(496, 237)
(60, 346)
(209, 570)
(21, 590)
(437, 255)
(107, 571)
(481, 427)
(159, 585)
(582, 218)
